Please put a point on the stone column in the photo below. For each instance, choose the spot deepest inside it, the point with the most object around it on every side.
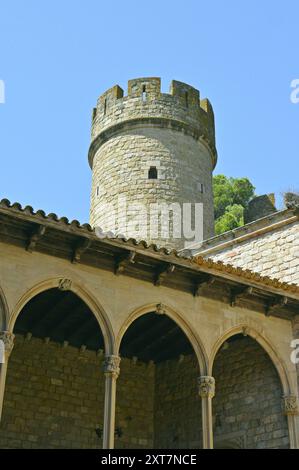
(295, 324)
(111, 372)
(6, 339)
(291, 410)
(206, 387)
(291, 403)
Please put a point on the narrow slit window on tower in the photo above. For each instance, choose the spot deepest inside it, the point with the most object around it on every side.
(98, 191)
(143, 93)
(186, 99)
(153, 173)
(201, 188)
(105, 106)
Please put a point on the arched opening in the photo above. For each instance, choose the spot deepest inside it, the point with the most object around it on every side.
(54, 394)
(247, 407)
(157, 404)
(153, 173)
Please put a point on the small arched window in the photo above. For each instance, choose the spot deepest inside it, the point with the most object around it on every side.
(153, 173)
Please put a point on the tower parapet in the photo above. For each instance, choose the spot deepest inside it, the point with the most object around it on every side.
(151, 148)
(181, 109)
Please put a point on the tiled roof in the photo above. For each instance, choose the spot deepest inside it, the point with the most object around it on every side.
(245, 274)
(251, 229)
(40, 216)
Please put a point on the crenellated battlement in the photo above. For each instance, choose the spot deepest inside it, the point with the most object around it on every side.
(181, 107)
(151, 86)
(148, 89)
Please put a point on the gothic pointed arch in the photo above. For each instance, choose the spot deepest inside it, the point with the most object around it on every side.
(83, 293)
(264, 342)
(251, 381)
(162, 360)
(60, 341)
(178, 319)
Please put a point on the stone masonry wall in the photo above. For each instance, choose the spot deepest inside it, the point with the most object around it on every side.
(135, 405)
(177, 405)
(170, 414)
(247, 406)
(54, 398)
(274, 254)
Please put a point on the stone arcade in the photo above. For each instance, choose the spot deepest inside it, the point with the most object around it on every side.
(121, 343)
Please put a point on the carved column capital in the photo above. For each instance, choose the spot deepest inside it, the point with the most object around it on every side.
(111, 366)
(290, 404)
(206, 386)
(8, 339)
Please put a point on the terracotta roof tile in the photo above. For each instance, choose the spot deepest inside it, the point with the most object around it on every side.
(245, 274)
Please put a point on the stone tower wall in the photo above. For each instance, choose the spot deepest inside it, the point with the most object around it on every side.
(173, 133)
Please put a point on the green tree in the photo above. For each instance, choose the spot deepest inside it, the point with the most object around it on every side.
(231, 197)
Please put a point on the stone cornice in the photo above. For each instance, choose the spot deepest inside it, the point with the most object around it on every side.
(16, 221)
(151, 121)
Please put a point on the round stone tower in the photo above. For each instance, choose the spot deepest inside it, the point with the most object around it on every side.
(152, 155)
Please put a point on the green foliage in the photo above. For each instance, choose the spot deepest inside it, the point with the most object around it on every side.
(231, 197)
(232, 218)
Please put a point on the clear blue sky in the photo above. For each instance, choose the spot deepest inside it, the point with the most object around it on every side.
(58, 56)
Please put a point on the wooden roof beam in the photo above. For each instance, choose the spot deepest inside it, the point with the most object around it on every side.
(239, 293)
(80, 248)
(65, 315)
(163, 273)
(205, 281)
(35, 237)
(144, 336)
(273, 304)
(55, 304)
(123, 261)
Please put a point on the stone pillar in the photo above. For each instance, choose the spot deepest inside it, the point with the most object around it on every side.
(295, 324)
(291, 409)
(206, 386)
(111, 372)
(7, 339)
(291, 406)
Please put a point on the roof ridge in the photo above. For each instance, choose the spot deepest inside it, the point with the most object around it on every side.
(198, 260)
